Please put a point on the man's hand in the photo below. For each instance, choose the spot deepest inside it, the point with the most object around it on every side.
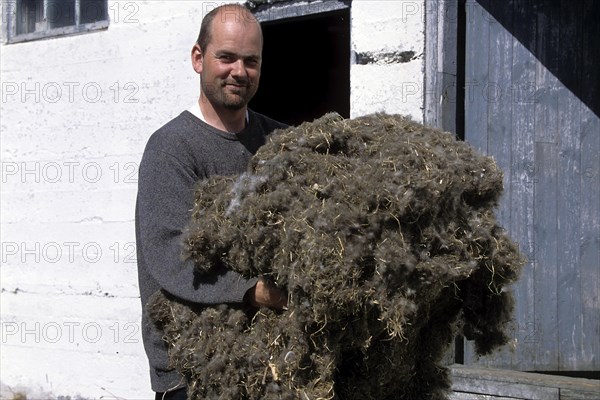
(266, 294)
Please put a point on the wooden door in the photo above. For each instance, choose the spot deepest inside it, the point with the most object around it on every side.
(532, 99)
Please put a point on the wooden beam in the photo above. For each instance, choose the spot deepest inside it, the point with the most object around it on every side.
(477, 383)
(284, 10)
(473, 396)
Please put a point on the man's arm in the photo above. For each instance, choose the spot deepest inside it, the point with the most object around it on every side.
(165, 199)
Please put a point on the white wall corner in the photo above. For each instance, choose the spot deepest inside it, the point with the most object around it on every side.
(388, 45)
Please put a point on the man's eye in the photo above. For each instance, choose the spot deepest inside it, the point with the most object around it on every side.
(226, 58)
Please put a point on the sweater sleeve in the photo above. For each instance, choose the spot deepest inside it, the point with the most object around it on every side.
(164, 204)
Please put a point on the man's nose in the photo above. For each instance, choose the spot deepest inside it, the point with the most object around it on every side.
(239, 69)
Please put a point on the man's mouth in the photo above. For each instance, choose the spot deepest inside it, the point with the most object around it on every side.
(236, 84)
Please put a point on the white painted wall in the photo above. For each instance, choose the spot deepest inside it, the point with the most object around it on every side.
(75, 115)
(384, 26)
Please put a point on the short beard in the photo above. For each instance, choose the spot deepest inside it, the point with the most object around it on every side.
(218, 97)
(234, 105)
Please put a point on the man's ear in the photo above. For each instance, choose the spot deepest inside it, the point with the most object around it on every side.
(197, 58)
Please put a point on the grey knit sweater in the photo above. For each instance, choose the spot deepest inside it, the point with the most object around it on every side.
(177, 156)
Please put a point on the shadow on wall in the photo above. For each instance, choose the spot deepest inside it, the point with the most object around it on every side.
(563, 35)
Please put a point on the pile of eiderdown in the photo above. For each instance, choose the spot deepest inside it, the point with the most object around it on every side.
(382, 231)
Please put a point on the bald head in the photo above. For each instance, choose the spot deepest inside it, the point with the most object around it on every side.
(225, 13)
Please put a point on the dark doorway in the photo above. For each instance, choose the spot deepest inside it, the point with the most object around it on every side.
(306, 67)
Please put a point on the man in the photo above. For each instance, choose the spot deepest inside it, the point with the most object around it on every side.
(217, 136)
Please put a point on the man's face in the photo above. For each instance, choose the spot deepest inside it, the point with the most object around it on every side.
(230, 69)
